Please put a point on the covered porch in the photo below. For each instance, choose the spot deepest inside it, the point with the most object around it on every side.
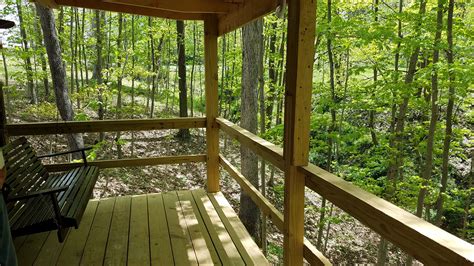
(176, 227)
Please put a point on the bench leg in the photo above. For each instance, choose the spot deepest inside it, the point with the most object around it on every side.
(62, 231)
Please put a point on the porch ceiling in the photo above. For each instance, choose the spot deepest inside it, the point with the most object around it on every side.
(231, 14)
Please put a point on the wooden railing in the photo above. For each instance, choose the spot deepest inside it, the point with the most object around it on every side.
(424, 241)
(62, 127)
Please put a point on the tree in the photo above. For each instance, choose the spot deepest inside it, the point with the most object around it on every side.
(58, 73)
(29, 70)
(183, 93)
(252, 55)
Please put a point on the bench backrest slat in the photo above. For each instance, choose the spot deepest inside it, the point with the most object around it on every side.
(24, 170)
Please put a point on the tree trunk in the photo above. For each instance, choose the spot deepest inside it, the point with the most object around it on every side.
(396, 143)
(119, 82)
(97, 73)
(29, 70)
(39, 41)
(183, 134)
(449, 116)
(427, 171)
(252, 55)
(58, 73)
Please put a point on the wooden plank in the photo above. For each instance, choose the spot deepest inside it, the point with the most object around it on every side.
(66, 127)
(50, 252)
(249, 251)
(201, 248)
(314, 256)
(181, 244)
(31, 248)
(298, 91)
(160, 243)
(130, 162)
(186, 6)
(72, 250)
(117, 243)
(267, 150)
(138, 247)
(211, 76)
(424, 241)
(249, 11)
(94, 249)
(216, 227)
(114, 7)
(265, 206)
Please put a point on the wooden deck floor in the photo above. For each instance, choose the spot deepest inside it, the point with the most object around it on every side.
(179, 227)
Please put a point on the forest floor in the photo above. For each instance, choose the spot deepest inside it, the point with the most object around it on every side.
(344, 239)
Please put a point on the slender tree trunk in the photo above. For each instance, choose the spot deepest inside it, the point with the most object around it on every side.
(397, 142)
(183, 92)
(191, 87)
(332, 127)
(449, 116)
(97, 73)
(427, 171)
(132, 145)
(39, 41)
(84, 56)
(252, 55)
(29, 70)
(58, 73)
(119, 82)
(153, 68)
(271, 76)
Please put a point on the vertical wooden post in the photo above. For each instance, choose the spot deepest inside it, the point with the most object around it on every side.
(212, 130)
(3, 118)
(299, 65)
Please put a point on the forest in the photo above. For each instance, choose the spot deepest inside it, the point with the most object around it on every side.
(392, 104)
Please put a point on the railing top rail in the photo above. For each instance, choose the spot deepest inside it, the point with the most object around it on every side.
(66, 127)
(425, 241)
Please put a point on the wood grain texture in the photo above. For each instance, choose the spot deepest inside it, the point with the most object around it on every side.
(145, 11)
(267, 150)
(138, 238)
(172, 228)
(265, 206)
(65, 127)
(130, 162)
(298, 91)
(249, 251)
(182, 6)
(426, 242)
(250, 10)
(212, 129)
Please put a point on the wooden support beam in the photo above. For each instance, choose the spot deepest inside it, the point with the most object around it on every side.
(135, 162)
(267, 150)
(299, 65)
(139, 10)
(182, 6)
(250, 10)
(67, 127)
(424, 241)
(212, 128)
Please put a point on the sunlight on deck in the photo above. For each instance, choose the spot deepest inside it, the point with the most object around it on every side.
(178, 227)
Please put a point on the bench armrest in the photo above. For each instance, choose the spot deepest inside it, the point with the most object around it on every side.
(37, 193)
(82, 151)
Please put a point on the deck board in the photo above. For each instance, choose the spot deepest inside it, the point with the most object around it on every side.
(180, 228)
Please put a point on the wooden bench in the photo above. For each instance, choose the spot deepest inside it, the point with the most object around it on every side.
(39, 201)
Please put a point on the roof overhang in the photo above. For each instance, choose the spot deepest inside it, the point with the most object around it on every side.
(231, 14)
